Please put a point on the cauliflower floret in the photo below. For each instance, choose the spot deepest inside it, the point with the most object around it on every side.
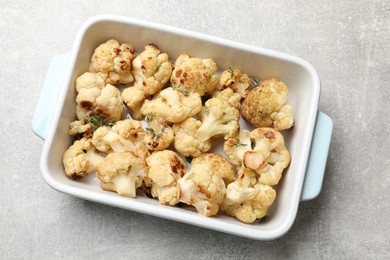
(152, 69)
(172, 106)
(122, 173)
(124, 136)
(80, 127)
(95, 98)
(185, 140)
(203, 187)
(237, 81)
(262, 150)
(266, 106)
(218, 164)
(229, 95)
(112, 62)
(165, 169)
(109, 104)
(134, 97)
(246, 199)
(81, 158)
(194, 74)
(157, 136)
(218, 117)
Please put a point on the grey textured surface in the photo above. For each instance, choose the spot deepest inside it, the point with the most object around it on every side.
(348, 42)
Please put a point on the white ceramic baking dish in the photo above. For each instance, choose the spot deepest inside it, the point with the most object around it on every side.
(308, 141)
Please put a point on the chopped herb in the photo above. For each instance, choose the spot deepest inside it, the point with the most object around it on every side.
(239, 144)
(149, 118)
(185, 92)
(176, 87)
(150, 129)
(97, 121)
(254, 84)
(231, 71)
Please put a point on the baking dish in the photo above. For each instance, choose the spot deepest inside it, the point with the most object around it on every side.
(308, 141)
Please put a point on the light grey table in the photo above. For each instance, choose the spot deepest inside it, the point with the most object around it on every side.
(348, 42)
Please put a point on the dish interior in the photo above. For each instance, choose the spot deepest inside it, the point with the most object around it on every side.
(303, 96)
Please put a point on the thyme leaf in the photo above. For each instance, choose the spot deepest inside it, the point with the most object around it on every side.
(97, 121)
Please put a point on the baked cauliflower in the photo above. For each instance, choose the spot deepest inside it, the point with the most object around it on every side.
(203, 186)
(262, 150)
(83, 128)
(194, 75)
(185, 140)
(157, 136)
(266, 106)
(152, 69)
(218, 118)
(122, 173)
(165, 169)
(112, 61)
(172, 106)
(237, 81)
(246, 199)
(125, 136)
(81, 158)
(229, 95)
(95, 98)
(133, 97)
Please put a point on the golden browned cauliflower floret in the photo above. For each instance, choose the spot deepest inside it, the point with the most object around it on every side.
(172, 106)
(122, 173)
(125, 136)
(112, 61)
(219, 118)
(185, 140)
(165, 169)
(81, 158)
(194, 75)
(134, 97)
(80, 128)
(266, 106)
(230, 96)
(157, 136)
(237, 81)
(95, 98)
(219, 164)
(152, 69)
(203, 186)
(246, 199)
(262, 150)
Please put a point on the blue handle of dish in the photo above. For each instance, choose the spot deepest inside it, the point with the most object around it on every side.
(315, 170)
(318, 153)
(49, 95)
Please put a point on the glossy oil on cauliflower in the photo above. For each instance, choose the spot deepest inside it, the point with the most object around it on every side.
(112, 61)
(262, 150)
(165, 169)
(266, 106)
(194, 75)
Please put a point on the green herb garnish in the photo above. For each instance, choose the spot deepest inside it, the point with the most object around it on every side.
(176, 87)
(254, 84)
(231, 71)
(185, 92)
(151, 130)
(239, 144)
(149, 118)
(97, 121)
